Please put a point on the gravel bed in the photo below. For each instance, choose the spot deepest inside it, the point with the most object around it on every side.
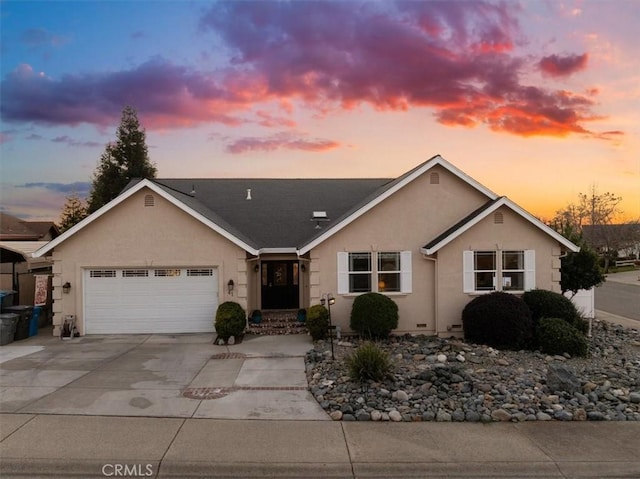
(437, 379)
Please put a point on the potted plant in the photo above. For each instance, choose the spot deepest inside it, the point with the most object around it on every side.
(302, 315)
(256, 316)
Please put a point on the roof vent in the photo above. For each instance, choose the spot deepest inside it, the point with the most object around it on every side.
(193, 190)
(248, 193)
(319, 216)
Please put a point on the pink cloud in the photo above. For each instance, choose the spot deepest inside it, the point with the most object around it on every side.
(281, 141)
(456, 58)
(557, 66)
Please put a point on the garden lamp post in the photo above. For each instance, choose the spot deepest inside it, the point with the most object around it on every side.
(329, 300)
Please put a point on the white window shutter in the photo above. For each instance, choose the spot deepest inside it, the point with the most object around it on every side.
(468, 283)
(405, 272)
(529, 269)
(343, 272)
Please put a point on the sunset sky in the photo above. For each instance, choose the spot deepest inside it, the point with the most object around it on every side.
(537, 100)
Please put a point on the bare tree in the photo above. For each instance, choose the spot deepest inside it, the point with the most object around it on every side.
(598, 212)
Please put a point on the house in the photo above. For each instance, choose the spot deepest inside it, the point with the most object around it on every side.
(18, 240)
(161, 256)
(623, 239)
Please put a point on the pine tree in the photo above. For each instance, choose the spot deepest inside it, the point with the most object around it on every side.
(123, 160)
(75, 210)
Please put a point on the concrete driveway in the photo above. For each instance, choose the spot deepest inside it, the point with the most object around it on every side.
(182, 376)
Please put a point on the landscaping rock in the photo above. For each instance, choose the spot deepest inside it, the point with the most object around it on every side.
(561, 378)
(490, 385)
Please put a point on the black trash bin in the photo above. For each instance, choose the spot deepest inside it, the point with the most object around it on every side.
(24, 318)
(7, 327)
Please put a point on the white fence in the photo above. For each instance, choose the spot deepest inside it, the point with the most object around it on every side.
(584, 301)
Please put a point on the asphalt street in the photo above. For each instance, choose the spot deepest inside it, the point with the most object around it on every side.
(619, 298)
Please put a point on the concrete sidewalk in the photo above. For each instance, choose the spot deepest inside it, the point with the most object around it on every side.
(95, 446)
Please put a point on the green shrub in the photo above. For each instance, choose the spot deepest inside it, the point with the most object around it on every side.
(230, 320)
(549, 304)
(317, 321)
(498, 319)
(368, 362)
(556, 336)
(374, 315)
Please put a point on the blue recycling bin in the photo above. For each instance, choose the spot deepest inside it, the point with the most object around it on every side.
(35, 321)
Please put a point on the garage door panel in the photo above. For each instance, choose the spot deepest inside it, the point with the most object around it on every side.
(143, 301)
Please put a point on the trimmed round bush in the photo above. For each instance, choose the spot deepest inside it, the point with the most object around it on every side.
(368, 362)
(498, 319)
(230, 320)
(549, 304)
(374, 315)
(556, 336)
(317, 321)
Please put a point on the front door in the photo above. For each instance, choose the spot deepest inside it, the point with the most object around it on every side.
(280, 285)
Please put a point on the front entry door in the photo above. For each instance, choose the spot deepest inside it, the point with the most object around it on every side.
(280, 285)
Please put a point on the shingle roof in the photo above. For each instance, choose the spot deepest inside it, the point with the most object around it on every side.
(16, 229)
(279, 213)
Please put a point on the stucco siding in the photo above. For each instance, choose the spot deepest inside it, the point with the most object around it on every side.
(132, 234)
(515, 233)
(405, 221)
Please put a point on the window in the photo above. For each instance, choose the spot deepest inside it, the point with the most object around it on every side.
(164, 273)
(135, 273)
(384, 272)
(484, 270)
(498, 270)
(359, 272)
(513, 270)
(200, 272)
(102, 273)
(388, 272)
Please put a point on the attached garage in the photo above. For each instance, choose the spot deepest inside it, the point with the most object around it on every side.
(150, 300)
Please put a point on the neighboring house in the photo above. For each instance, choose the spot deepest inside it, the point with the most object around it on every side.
(18, 240)
(624, 239)
(161, 256)
(16, 229)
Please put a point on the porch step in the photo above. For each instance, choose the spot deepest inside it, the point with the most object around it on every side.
(276, 322)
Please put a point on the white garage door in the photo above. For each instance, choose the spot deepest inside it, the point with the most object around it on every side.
(153, 300)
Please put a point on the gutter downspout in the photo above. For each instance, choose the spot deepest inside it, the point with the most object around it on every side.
(435, 292)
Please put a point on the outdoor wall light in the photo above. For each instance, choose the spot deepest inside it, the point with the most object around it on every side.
(303, 268)
(256, 268)
(230, 286)
(66, 287)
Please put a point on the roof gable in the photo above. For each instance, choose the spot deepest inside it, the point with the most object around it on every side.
(388, 190)
(481, 213)
(181, 204)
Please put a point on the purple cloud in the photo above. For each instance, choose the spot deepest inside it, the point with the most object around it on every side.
(282, 141)
(453, 57)
(71, 142)
(557, 66)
